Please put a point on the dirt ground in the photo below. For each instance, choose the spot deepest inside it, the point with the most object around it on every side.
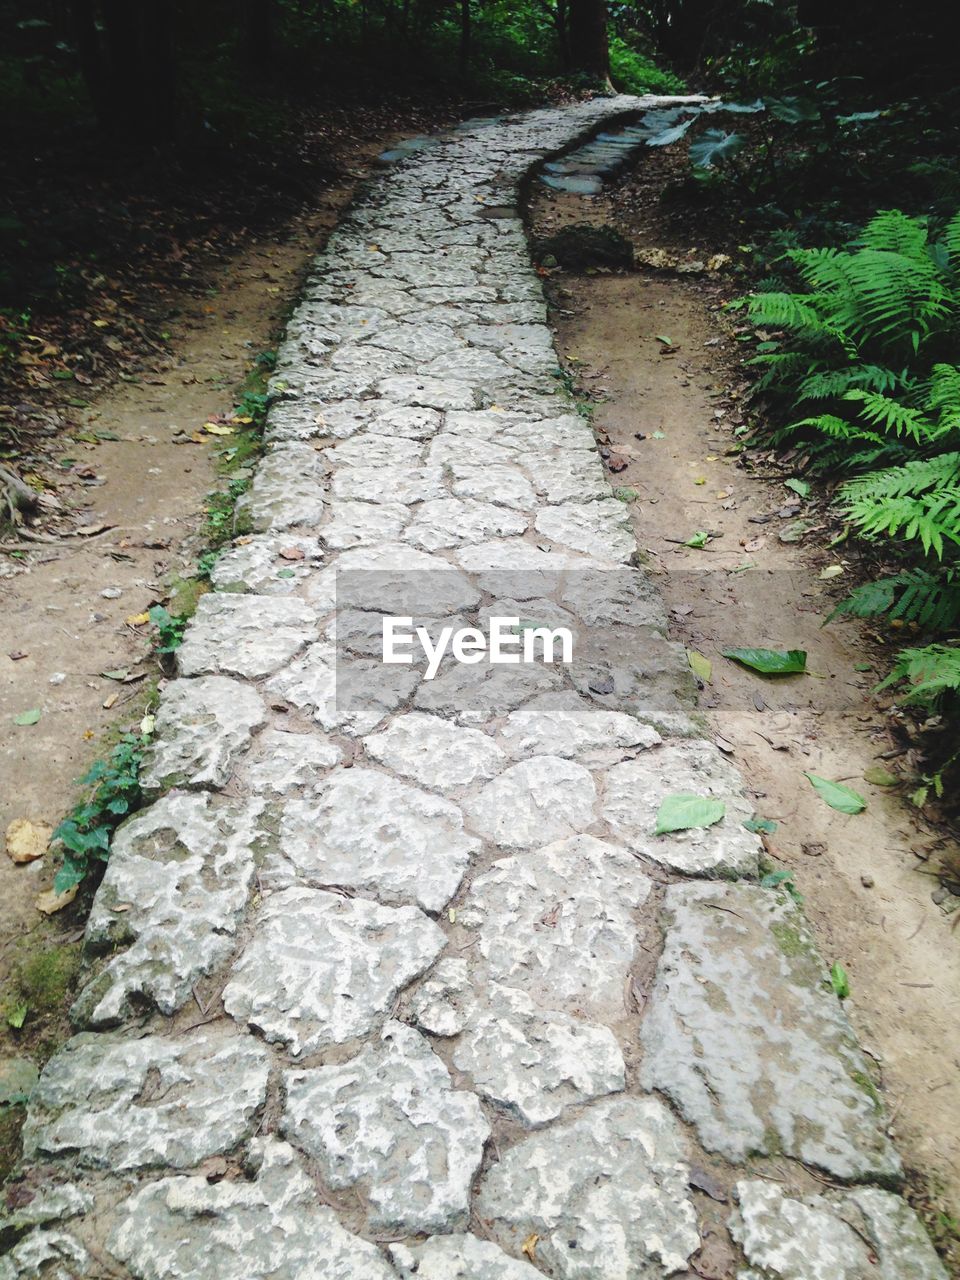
(65, 604)
(866, 879)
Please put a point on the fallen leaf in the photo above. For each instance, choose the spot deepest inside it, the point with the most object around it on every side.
(218, 429)
(120, 673)
(701, 667)
(831, 571)
(698, 540)
(51, 901)
(836, 795)
(17, 655)
(109, 702)
(770, 662)
(27, 717)
(682, 811)
(726, 747)
(138, 619)
(616, 462)
(27, 841)
(529, 1246)
(839, 981)
(291, 553)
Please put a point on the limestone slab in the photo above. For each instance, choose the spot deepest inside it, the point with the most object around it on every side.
(635, 789)
(287, 490)
(865, 1234)
(390, 1121)
(362, 524)
(535, 1062)
(267, 564)
(599, 528)
(559, 923)
(284, 761)
(321, 969)
(565, 724)
(473, 695)
(743, 1032)
(115, 1103)
(450, 522)
(266, 1226)
(244, 635)
(606, 1195)
(402, 485)
(368, 831)
(169, 905)
(352, 695)
(202, 727)
(456, 1257)
(545, 798)
(436, 753)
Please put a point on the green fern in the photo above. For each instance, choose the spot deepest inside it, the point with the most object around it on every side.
(929, 672)
(919, 500)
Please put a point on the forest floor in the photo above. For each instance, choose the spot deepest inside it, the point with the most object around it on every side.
(871, 884)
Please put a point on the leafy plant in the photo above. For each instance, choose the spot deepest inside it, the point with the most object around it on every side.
(170, 628)
(85, 833)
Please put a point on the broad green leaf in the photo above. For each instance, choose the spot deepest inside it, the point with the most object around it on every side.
(701, 667)
(798, 486)
(770, 662)
(697, 540)
(715, 146)
(673, 134)
(27, 717)
(839, 981)
(760, 826)
(680, 812)
(836, 795)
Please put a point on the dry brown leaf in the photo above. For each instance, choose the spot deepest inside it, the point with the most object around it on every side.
(51, 901)
(27, 841)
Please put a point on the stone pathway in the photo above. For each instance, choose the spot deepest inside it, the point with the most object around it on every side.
(393, 979)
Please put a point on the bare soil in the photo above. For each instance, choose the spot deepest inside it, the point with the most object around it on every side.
(867, 880)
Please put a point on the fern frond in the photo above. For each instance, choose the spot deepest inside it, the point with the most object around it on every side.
(919, 500)
(892, 416)
(951, 238)
(930, 672)
(893, 231)
(785, 311)
(833, 383)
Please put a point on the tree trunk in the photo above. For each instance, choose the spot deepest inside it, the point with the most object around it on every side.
(588, 38)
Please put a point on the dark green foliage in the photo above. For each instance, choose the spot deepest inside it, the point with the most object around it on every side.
(115, 792)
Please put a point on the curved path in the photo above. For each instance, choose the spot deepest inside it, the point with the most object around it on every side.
(394, 977)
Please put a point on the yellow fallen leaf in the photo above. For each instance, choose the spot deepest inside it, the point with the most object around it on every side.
(723, 493)
(101, 324)
(831, 571)
(49, 902)
(700, 666)
(218, 429)
(109, 702)
(27, 841)
(246, 421)
(529, 1246)
(700, 480)
(148, 724)
(88, 734)
(713, 457)
(138, 619)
